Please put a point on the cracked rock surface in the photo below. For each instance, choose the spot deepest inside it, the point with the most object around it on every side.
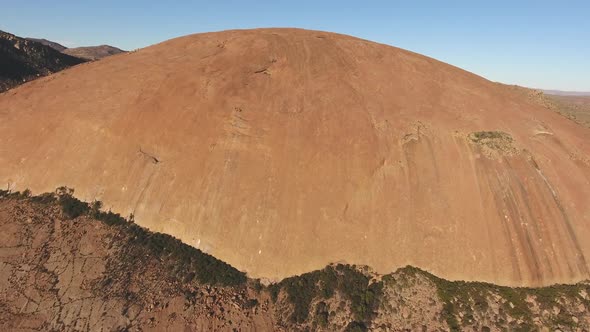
(79, 274)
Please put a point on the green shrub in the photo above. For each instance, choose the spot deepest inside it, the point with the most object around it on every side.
(45, 198)
(251, 303)
(302, 290)
(72, 207)
(490, 135)
(16, 194)
(321, 313)
(356, 327)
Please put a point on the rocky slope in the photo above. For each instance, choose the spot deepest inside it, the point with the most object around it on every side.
(56, 46)
(65, 265)
(573, 107)
(576, 108)
(22, 60)
(93, 52)
(567, 93)
(283, 150)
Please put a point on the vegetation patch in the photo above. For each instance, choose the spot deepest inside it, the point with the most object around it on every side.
(465, 305)
(491, 138)
(496, 141)
(186, 262)
(465, 302)
(347, 280)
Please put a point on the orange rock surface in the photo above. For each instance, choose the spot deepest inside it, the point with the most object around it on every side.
(282, 150)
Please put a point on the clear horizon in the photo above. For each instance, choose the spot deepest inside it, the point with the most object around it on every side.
(538, 44)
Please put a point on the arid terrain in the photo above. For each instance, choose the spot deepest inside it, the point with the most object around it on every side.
(93, 52)
(576, 108)
(26, 59)
(22, 60)
(67, 265)
(84, 52)
(573, 107)
(56, 46)
(280, 151)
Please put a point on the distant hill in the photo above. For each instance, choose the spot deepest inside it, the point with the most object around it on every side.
(52, 44)
(572, 106)
(23, 59)
(566, 93)
(575, 107)
(85, 52)
(93, 52)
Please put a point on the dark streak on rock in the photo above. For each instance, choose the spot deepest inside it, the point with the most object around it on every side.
(154, 159)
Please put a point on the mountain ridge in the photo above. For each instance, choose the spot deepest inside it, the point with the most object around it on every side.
(25, 59)
(83, 52)
(566, 93)
(22, 60)
(56, 46)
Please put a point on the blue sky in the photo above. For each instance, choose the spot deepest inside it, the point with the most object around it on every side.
(544, 44)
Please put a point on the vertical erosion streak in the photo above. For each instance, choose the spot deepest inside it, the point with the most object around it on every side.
(581, 260)
(155, 162)
(483, 198)
(495, 186)
(541, 257)
(517, 217)
(143, 189)
(425, 197)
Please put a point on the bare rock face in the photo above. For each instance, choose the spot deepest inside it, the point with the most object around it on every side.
(282, 150)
